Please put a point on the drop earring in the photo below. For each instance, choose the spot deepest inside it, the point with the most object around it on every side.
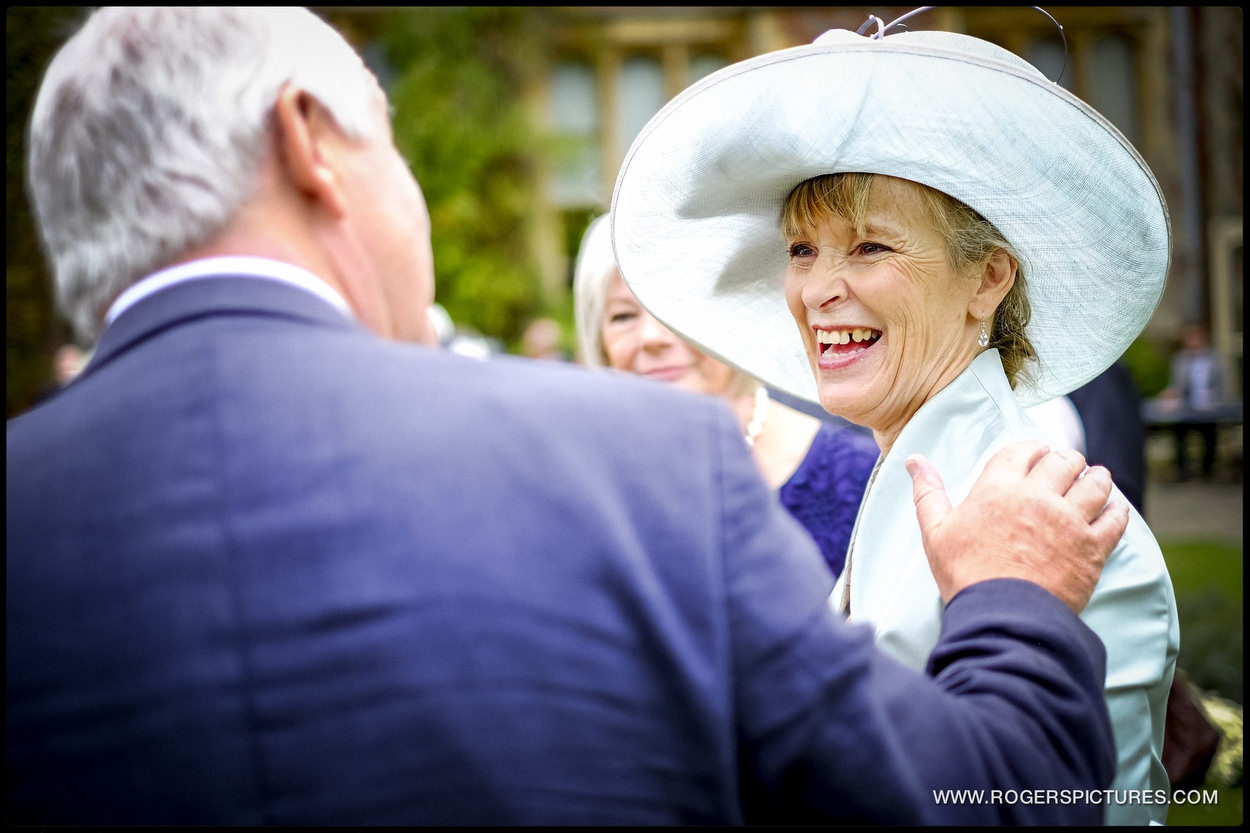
(983, 339)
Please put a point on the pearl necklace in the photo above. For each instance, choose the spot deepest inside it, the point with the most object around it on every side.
(756, 425)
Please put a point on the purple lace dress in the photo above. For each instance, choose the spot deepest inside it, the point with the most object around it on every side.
(825, 491)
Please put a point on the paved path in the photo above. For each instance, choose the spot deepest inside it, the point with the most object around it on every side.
(1195, 511)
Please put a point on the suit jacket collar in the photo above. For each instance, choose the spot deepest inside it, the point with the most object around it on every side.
(211, 296)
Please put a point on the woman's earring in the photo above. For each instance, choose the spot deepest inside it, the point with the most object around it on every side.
(984, 338)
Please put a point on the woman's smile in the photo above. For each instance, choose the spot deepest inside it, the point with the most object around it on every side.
(840, 347)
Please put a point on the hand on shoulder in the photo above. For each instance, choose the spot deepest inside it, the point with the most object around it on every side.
(1032, 514)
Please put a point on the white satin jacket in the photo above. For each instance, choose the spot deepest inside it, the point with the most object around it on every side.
(887, 581)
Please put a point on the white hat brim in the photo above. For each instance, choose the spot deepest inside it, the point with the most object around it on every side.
(696, 209)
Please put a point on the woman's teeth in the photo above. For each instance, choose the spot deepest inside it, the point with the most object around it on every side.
(858, 335)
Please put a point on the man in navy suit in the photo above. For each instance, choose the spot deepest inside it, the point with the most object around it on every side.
(269, 561)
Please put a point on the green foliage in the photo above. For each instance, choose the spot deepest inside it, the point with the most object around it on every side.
(1148, 363)
(1228, 769)
(32, 331)
(461, 121)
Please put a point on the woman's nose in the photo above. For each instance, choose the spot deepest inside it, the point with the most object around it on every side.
(654, 333)
(826, 284)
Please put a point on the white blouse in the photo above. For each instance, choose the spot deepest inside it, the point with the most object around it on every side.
(887, 581)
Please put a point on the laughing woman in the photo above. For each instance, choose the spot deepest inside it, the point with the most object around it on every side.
(957, 238)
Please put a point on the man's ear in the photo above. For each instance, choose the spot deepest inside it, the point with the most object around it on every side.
(304, 139)
(997, 277)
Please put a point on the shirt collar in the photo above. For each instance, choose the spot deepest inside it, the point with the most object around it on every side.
(254, 267)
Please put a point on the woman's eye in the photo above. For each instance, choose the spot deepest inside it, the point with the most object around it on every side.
(801, 250)
(871, 248)
(621, 317)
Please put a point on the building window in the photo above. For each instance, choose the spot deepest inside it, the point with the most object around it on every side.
(1108, 80)
(575, 118)
(1112, 86)
(704, 65)
(596, 120)
(641, 95)
(1049, 56)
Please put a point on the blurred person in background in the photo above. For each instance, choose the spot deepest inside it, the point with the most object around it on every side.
(68, 361)
(542, 339)
(1195, 393)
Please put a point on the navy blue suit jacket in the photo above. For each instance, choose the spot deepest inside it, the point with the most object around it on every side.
(266, 567)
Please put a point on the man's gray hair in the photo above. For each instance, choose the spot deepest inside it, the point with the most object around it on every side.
(149, 131)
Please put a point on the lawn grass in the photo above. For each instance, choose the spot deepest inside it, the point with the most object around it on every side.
(1225, 812)
(1207, 577)
(1196, 565)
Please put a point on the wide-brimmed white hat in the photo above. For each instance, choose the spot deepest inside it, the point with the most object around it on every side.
(697, 205)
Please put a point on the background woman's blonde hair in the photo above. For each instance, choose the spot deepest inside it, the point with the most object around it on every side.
(596, 264)
(971, 241)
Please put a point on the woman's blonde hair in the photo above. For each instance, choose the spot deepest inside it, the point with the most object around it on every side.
(971, 241)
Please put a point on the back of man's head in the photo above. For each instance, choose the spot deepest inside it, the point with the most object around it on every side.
(150, 127)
